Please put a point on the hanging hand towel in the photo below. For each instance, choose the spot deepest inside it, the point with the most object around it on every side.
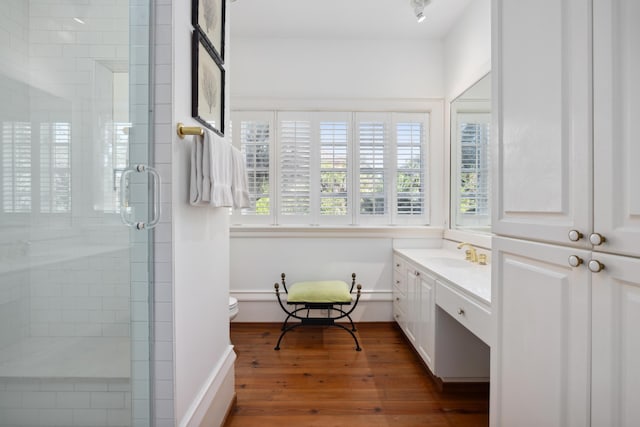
(220, 170)
(195, 186)
(239, 184)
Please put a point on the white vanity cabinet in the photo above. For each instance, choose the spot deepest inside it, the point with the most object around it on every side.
(565, 293)
(427, 305)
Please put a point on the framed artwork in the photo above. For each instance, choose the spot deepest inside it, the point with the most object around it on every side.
(208, 17)
(207, 86)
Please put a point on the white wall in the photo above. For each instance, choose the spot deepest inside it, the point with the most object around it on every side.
(258, 263)
(347, 73)
(467, 49)
(467, 58)
(313, 68)
(200, 236)
(278, 71)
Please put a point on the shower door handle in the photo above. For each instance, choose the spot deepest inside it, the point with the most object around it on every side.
(124, 200)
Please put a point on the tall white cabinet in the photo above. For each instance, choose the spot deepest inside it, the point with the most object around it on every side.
(566, 256)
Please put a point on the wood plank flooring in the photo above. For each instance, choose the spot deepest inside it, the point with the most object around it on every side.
(318, 379)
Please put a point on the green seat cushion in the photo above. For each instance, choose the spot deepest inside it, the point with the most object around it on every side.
(329, 291)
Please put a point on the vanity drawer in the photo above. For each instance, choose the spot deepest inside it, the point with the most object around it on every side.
(399, 275)
(398, 264)
(470, 314)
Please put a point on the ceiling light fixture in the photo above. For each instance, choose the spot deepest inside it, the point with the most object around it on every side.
(418, 8)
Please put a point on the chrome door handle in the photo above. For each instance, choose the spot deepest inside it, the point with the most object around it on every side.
(124, 200)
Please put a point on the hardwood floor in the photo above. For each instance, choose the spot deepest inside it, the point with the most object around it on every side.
(318, 379)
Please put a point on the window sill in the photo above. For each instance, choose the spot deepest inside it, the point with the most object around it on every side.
(414, 232)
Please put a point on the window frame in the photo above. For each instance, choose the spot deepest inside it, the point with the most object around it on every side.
(475, 223)
(435, 211)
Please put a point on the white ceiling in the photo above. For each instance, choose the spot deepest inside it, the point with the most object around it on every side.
(341, 19)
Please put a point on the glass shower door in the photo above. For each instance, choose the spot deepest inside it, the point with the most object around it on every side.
(74, 279)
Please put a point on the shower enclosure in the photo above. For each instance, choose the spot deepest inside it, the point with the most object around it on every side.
(75, 210)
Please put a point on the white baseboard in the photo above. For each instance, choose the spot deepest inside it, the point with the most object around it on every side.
(211, 405)
(262, 306)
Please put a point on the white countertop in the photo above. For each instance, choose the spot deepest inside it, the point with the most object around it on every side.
(472, 279)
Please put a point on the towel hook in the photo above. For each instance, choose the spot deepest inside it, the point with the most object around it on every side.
(183, 130)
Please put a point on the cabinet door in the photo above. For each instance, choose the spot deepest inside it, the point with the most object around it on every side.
(426, 324)
(540, 363)
(541, 89)
(413, 304)
(616, 61)
(616, 342)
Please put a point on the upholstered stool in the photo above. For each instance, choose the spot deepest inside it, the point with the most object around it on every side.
(329, 295)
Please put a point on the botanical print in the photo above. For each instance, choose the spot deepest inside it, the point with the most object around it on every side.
(210, 21)
(209, 89)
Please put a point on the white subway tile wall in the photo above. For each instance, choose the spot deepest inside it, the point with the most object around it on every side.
(103, 292)
(163, 384)
(65, 402)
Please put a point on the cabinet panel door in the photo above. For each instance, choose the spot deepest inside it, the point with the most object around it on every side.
(412, 304)
(541, 89)
(540, 364)
(616, 342)
(616, 113)
(426, 326)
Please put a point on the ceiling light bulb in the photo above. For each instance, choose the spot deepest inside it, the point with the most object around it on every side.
(418, 8)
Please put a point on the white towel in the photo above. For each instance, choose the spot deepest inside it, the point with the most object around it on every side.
(195, 186)
(218, 173)
(221, 171)
(239, 183)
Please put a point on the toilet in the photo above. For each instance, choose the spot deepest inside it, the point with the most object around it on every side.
(233, 308)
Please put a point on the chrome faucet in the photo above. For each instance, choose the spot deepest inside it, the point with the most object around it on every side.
(472, 255)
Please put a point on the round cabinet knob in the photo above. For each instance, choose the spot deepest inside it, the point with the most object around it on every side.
(575, 261)
(596, 239)
(595, 266)
(417, 273)
(575, 235)
(461, 312)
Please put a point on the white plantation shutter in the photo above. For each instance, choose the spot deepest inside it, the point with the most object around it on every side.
(295, 165)
(472, 180)
(55, 167)
(334, 136)
(114, 162)
(16, 167)
(255, 137)
(373, 153)
(410, 161)
(327, 168)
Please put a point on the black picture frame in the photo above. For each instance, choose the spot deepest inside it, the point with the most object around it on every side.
(207, 85)
(208, 16)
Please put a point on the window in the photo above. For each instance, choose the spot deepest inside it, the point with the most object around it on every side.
(472, 178)
(328, 168)
(36, 181)
(16, 167)
(55, 167)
